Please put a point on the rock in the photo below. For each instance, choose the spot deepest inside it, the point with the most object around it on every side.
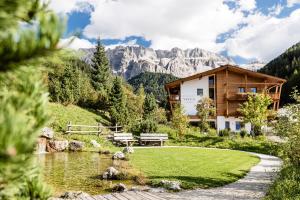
(95, 144)
(57, 145)
(120, 187)
(76, 145)
(110, 173)
(118, 156)
(128, 150)
(47, 133)
(75, 195)
(171, 185)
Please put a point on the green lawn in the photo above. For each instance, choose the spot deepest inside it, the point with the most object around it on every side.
(193, 167)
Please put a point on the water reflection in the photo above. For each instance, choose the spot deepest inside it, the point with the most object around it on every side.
(75, 171)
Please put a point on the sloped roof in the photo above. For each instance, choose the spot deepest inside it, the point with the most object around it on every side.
(224, 67)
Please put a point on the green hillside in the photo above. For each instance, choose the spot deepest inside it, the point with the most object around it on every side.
(61, 115)
(153, 83)
(287, 66)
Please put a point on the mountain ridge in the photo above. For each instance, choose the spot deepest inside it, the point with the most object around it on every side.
(129, 61)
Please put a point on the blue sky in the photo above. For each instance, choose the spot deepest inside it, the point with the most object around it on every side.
(245, 30)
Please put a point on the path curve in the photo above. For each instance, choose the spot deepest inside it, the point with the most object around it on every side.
(253, 186)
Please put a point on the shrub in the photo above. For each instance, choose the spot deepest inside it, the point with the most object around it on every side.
(224, 133)
(287, 185)
(243, 133)
(145, 126)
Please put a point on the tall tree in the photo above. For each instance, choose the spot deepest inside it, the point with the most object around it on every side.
(27, 31)
(205, 108)
(118, 110)
(179, 120)
(150, 105)
(101, 73)
(141, 99)
(255, 110)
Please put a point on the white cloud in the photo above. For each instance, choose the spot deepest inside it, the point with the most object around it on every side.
(166, 23)
(291, 3)
(75, 43)
(128, 43)
(246, 5)
(265, 37)
(276, 9)
(191, 23)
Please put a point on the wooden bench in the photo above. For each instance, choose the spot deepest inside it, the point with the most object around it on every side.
(153, 137)
(123, 138)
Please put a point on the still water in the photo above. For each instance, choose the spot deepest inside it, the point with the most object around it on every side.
(78, 171)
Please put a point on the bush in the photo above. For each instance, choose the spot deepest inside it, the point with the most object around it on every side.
(287, 185)
(243, 133)
(145, 126)
(224, 133)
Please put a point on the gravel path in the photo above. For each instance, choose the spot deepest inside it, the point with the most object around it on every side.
(253, 186)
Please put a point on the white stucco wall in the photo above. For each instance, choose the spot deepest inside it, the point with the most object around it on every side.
(189, 98)
(232, 123)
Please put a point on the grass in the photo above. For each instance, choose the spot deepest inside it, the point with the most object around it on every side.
(196, 139)
(287, 185)
(61, 115)
(194, 168)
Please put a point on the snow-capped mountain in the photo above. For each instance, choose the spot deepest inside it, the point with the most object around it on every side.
(129, 61)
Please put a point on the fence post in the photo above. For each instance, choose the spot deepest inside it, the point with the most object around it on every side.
(69, 127)
(99, 129)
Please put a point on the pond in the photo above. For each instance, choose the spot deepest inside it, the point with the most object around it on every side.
(77, 171)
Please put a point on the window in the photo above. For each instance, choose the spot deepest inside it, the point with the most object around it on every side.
(200, 92)
(211, 92)
(254, 90)
(211, 81)
(238, 126)
(227, 125)
(242, 90)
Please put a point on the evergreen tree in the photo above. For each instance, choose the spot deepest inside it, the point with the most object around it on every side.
(150, 105)
(27, 31)
(118, 110)
(141, 99)
(100, 73)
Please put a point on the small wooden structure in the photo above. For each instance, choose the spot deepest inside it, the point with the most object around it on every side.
(153, 137)
(90, 129)
(124, 138)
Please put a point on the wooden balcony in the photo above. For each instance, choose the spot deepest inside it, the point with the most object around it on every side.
(243, 96)
(174, 98)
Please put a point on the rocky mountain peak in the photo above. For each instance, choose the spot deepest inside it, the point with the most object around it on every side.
(129, 61)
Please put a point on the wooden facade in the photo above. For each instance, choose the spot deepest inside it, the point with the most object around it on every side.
(231, 85)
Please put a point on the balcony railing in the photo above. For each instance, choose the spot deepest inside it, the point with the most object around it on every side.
(243, 96)
(174, 97)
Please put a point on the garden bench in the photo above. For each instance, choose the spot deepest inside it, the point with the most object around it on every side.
(153, 137)
(123, 138)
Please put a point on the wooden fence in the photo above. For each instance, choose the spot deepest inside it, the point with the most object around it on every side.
(97, 129)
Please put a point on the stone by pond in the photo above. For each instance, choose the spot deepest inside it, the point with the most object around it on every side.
(78, 171)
